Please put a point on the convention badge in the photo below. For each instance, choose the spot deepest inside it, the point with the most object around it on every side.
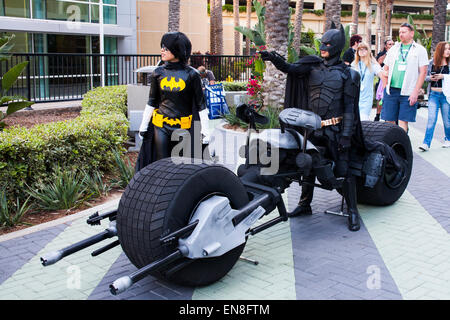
(362, 86)
(401, 67)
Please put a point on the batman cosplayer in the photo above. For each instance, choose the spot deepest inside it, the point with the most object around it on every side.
(176, 101)
(329, 88)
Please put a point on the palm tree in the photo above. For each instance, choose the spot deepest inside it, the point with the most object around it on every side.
(219, 36)
(212, 26)
(298, 24)
(382, 22)
(440, 13)
(174, 15)
(276, 23)
(355, 17)
(249, 19)
(379, 25)
(216, 31)
(369, 22)
(332, 13)
(389, 6)
(237, 34)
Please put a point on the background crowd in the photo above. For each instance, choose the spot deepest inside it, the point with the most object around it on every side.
(402, 69)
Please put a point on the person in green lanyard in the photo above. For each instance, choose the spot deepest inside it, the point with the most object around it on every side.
(405, 68)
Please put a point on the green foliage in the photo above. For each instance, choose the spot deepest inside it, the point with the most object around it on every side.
(421, 36)
(29, 156)
(234, 86)
(8, 80)
(272, 113)
(257, 35)
(125, 170)
(94, 184)
(11, 213)
(66, 190)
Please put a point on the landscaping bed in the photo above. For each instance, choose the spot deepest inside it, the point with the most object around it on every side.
(58, 162)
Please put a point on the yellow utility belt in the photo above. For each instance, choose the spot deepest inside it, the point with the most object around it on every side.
(159, 120)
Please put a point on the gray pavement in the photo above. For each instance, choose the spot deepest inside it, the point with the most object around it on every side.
(401, 252)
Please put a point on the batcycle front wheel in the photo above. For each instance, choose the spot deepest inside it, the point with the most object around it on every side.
(161, 199)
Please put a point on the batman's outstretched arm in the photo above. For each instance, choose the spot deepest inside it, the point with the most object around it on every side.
(300, 68)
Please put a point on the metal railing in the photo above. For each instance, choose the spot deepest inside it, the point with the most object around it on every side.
(66, 76)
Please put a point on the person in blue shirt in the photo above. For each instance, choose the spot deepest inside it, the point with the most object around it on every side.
(368, 68)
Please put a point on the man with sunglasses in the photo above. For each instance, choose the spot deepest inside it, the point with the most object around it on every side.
(405, 68)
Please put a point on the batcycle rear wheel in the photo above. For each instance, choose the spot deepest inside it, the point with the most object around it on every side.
(389, 188)
(161, 199)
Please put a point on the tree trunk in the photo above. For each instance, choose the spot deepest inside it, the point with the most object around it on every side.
(379, 26)
(237, 34)
(174, 15)
(298, 25)
(277, 22)
(219, 27)
(213, 26)
(355, 17)
(383, 23)
(440, 12)
(389, 6)
(332, 14)
(369, 22)
(249, 19)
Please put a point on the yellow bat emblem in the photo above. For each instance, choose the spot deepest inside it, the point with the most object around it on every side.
(171, 84)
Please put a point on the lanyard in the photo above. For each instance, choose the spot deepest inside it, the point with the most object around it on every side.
(401, 52)
(363, 73)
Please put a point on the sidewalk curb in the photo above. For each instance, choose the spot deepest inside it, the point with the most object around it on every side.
(103, 207)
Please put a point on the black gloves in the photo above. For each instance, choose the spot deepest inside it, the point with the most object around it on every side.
(266, 55)
(344, 143)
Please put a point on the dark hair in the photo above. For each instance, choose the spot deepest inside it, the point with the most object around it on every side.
(407, 25)
(356, 38)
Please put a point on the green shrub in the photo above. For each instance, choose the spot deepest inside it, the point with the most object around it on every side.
(65, 190)
(84, 143)
(11, 213)
(234, 86)
(125, 171)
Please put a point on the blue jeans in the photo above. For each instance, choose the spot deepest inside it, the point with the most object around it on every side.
(435, 101)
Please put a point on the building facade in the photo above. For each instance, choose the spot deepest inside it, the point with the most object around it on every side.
(153, 17)
(70, 26)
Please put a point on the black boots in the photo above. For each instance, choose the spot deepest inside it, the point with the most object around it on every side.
(349, 190)
(377, 117)
(304, 205)
(301, 210)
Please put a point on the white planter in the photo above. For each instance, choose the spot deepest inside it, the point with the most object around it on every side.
(235, 98)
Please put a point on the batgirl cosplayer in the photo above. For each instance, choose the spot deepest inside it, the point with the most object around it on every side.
(175, 102)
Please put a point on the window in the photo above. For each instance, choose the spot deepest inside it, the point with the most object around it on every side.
(73, 10)
(67, 10)
(15, 8)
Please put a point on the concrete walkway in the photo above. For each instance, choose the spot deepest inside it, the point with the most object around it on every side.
(401, 252)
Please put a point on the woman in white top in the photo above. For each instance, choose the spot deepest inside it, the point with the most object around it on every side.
(368, 68)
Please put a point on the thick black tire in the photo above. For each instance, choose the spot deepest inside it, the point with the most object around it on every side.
(385, 193)
(160, 199)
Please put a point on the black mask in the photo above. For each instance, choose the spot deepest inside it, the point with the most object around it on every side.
(336, 40)
(179, 44)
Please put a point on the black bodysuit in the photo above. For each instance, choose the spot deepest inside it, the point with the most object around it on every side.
(176, 92)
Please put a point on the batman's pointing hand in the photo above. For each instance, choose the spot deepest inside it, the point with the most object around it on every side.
(266, 55)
